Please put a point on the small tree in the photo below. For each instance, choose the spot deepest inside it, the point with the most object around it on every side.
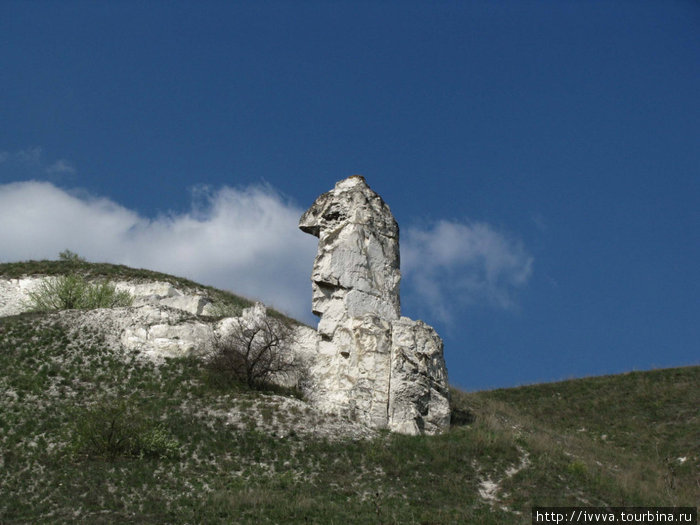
(255, 350)
(70, 257)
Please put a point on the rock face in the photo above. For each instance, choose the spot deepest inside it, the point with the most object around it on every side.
(379, 368)
(356, 271)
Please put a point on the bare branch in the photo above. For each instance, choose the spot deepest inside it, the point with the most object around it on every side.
(255, 350)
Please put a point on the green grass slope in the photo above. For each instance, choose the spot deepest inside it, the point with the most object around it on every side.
(89, 435)
(628, 439)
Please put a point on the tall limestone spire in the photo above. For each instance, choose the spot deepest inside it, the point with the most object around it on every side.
(373, 365)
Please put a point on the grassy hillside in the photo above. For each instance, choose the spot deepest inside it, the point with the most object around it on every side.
(90, 435)
(615, 440)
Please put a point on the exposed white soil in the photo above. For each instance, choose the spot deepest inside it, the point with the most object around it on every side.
(489, 487)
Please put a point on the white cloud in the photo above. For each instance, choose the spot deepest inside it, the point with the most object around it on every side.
(449, 264)
(61, 166)
(30, 155)
(246, 240)
(243, 240)
(30, 162)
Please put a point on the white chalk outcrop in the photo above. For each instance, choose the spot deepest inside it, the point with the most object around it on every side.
(371, 364)
(15, 295)
(163, 321)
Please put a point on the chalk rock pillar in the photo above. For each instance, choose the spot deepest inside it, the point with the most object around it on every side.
(373, 365)
(356, 271)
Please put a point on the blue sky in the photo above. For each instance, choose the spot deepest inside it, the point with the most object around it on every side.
(542, 159)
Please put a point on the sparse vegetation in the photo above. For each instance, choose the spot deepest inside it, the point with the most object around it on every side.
(114, 428)
(223, 309)
(88, 434)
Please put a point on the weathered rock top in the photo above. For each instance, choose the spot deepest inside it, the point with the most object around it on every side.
(351, 201)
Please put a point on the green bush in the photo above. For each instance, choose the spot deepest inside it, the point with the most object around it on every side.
(577, 468)
(70, 257)
(156, 442)
(105, 295)
(68, 292)
(114, 429)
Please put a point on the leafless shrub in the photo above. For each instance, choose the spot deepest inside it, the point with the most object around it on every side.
(256, 350)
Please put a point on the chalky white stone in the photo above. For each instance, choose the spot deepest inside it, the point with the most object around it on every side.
(370, 363)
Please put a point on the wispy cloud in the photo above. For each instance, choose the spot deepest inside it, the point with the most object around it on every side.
(451, 264)
(32, 163)
(60, 166)
(244, 240)
(30, 155)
